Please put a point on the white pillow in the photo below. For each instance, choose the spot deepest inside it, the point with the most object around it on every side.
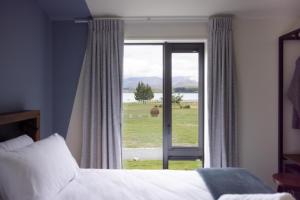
(276, 196)
(38, 171)
(16, 143)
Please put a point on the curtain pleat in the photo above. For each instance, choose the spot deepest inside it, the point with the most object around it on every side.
(221, 94)
(94, 134)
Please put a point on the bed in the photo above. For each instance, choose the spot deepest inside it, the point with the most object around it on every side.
(136, 184)
(45, 169)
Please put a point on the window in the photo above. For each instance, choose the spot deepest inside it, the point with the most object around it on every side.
(163, 96)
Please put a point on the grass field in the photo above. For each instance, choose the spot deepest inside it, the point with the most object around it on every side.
(157, 164)
(140, 129)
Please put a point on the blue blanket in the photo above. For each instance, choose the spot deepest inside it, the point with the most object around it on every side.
(232, 181)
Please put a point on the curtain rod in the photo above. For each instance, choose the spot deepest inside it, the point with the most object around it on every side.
(152, 19)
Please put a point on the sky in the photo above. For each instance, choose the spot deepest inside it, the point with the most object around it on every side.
(147, 60)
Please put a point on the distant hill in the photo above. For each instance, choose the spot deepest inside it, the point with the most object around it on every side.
(183, 81)
(129, 84)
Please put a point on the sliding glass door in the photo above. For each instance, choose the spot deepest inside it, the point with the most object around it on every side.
(184, 102)
(163, 101)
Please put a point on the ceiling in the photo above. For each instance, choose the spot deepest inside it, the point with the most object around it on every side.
(70, 9)
(247, 8)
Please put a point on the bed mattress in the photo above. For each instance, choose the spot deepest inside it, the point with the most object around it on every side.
(99, 184)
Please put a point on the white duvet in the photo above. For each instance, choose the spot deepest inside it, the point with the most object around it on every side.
(96, 184)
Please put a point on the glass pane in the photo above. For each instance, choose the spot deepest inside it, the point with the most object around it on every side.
(185, 75)
(142, 106)
(185, 164)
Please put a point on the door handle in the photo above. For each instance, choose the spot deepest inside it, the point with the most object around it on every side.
(169, 129)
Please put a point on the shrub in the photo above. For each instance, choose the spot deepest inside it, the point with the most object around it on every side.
(187, 106)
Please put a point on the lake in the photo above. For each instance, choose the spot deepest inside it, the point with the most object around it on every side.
(129, 97)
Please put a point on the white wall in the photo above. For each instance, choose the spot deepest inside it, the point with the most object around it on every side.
(256, 46)
(256, 49)
(160, 30)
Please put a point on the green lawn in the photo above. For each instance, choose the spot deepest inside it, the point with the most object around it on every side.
(157, 164)
(140, 129)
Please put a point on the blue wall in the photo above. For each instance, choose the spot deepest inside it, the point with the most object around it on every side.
(40, 59)
(69, 43)
(25, 60)
(65, 9)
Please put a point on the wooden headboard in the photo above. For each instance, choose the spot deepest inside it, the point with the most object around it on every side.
(19, 123)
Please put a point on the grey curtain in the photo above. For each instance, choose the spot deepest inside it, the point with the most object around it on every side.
(96, 115)
(221, 94)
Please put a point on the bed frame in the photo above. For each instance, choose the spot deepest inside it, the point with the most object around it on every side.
(19, 123)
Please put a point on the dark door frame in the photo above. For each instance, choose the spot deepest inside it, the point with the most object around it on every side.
(171, 152)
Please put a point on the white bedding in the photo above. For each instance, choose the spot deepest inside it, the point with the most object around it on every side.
(96, 184)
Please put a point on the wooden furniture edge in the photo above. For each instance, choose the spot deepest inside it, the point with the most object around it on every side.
(14, 117)
(7, 118)
(293, 157)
